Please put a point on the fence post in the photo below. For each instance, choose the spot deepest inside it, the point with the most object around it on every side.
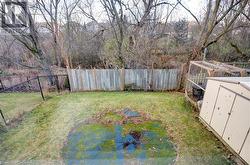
(3, 117)
(122, 79)
(152, 78)
(1, 83)
(57, 83)
(68, 82)
(180, 76)
(41, 90)
(94, 76)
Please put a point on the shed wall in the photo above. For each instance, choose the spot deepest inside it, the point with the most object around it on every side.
(238, 124)
(221, 110)
(245, 152)
(226, 110)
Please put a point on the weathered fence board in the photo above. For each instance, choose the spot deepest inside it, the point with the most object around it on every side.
(137, 78)
(120, 79)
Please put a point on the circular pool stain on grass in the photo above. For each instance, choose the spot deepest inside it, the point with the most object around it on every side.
(129, 140)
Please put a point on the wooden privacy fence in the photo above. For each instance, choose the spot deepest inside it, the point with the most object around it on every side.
(122, 79)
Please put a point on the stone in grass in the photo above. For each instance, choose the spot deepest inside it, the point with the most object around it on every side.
(129, 113)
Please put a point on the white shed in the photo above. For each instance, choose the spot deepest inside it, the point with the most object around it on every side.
(226, 111)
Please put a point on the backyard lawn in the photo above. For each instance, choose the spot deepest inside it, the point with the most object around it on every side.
(14, 105)
(43, 134)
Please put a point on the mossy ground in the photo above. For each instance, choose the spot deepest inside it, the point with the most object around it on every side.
(43, 131)
(98, 140)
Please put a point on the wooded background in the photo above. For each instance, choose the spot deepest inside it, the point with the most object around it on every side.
(137, 34)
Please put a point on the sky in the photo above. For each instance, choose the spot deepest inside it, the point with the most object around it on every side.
(195, 6)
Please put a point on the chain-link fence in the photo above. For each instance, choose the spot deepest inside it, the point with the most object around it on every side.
(19, 95)
(50, 83)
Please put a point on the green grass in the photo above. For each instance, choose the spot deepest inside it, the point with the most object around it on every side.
(43, 132)
(15, 104)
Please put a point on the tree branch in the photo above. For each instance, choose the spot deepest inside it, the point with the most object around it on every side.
(196, 19)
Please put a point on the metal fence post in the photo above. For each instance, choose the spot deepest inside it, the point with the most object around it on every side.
(3, 117)
(41, 90)
(1, 83)
(57, 83)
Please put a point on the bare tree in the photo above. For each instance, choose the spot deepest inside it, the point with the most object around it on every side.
(114, 11)
(29, 38)
(220, 18)
(50, 12)
(69, 9)
(136, 33)
(13, 54)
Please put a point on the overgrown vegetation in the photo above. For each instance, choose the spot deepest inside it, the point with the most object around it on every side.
(122, 33)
